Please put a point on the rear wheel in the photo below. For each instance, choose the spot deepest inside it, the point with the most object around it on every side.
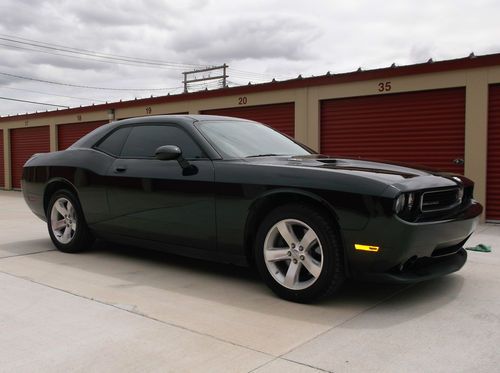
(66, 223)
(298, 253)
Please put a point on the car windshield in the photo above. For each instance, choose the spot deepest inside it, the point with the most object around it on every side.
(241, 139)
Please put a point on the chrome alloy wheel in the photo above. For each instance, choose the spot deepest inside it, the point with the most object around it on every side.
(63, 220)
(293, 254)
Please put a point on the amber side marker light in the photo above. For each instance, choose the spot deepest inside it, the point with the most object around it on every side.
(374, 249)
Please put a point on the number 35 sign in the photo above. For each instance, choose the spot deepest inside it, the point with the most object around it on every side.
(384, 86)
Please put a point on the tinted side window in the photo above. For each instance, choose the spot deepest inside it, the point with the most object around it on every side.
(144, 140)
(113, 144)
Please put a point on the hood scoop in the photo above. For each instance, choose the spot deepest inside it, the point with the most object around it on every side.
(316, 158)
(328, 160)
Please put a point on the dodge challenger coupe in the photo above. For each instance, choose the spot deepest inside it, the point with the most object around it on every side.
(237, 191)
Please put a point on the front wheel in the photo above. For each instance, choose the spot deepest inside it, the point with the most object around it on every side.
(298, 253)
(66, 223)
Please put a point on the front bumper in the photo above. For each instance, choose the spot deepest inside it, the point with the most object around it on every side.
(411, 252)
(422, 269)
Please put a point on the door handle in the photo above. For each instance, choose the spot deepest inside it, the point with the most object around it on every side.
(458, 161)
(120, 169)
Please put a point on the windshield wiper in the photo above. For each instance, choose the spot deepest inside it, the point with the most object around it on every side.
(262, 155)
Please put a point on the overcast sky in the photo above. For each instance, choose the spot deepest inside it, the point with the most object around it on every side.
(258, 39)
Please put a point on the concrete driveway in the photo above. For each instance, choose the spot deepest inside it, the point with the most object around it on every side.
(123, 309)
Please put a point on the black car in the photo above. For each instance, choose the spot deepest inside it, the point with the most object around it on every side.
(237, 191)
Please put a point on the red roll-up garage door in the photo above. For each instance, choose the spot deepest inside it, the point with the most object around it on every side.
(67, 134)
(422, 128)
(24, 142)
(493, 165)
(2, 170)
(281, 117)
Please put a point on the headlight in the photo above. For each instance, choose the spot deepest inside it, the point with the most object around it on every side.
(405, 201)
(399, 204)
(411, 200)
(460, 194)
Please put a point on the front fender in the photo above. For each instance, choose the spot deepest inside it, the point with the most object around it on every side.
(284, 194)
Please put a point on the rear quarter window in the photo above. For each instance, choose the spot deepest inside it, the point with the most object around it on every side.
(113, 143)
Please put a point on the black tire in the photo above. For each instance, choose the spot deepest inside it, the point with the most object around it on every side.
(80, 238)
(331, 275)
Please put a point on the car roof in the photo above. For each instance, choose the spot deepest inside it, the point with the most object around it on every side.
(186, 120)
(175, 118)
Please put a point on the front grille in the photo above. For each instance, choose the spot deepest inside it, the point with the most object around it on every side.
(440, 200)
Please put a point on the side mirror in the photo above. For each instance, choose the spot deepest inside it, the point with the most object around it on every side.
(171, 152)
(168, 152)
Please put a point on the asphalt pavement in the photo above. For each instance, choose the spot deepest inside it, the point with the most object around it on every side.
(124, 309)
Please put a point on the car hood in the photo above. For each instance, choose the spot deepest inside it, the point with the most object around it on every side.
(400, 177)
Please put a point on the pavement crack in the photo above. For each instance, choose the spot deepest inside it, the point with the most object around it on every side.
(263, 365)
(291, 361)
(376, 304)
(143, 315)
(306, 365)
(27, 254)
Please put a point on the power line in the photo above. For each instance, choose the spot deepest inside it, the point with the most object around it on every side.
(85, 58)
(256, 74)
(53, 94)
(100, 53)
(253, 73)
(234, 83)
(33, 102)
(56, 47)
(121, 59)
(191, 76)
(249, 76)
(86, 86)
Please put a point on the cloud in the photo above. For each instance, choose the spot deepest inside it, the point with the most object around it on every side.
(17, 15)
(4, 80)
(112, 13)
(421, 52)
(249, 38)
(276, 37)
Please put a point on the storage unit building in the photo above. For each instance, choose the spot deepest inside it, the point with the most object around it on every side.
(24, 143)
(281, 117)
(2, 171)
(443, 115)
(424, 128)
(67, 134)
(493, 167)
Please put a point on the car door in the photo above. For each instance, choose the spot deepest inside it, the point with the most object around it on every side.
(158, 200)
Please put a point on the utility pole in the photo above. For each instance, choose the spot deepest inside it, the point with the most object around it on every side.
(224, 76)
